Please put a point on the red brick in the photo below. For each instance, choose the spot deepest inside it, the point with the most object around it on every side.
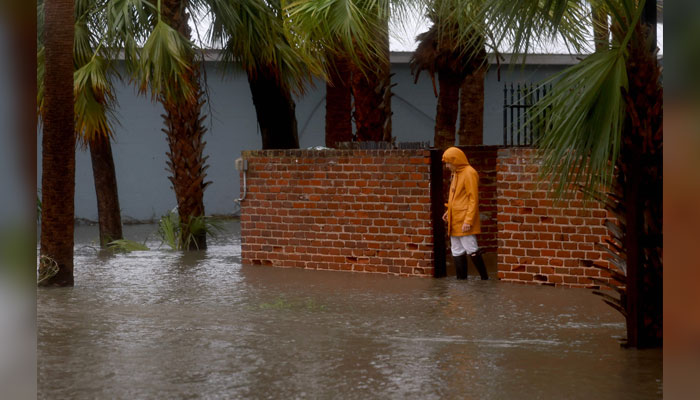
(553, 228)
(571, 263)
(510, 259)
(518, 251)
(599, 230)
(524, 276)
(510, 275)
(547, 270)
(555, 278)
(568, 229)
(548, 253)
(584, 280)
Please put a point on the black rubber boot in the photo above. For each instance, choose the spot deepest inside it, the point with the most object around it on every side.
(479, 264)
(461, 265)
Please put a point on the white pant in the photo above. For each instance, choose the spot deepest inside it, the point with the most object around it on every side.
(462, 244)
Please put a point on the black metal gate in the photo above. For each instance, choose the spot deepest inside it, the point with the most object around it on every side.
(518, 128)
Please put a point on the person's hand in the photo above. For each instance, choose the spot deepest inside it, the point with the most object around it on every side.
(444, 216)
(466, 227)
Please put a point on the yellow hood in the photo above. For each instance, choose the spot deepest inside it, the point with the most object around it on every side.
(455, 157)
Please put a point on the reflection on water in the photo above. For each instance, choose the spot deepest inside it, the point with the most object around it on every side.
(163, 324)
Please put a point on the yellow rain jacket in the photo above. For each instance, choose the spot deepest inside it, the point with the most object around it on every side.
(463, 202)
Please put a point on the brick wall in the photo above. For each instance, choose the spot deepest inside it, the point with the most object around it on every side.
(539, 242)
(354, 210)
(369, 211)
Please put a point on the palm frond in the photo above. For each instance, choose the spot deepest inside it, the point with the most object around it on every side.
(585, 112)
(582, 117)
(40, 23)
(522, 25)
(259, 36)
(168, 229)
(165, 64)
(126, 246)
(179, 235)
(90, 29)
(40, 72)
(93, 87)
(350, 27)
(94, 98)
(128, 23)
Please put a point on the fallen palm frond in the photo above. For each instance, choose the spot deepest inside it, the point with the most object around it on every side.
(126, 246)
(48, 268)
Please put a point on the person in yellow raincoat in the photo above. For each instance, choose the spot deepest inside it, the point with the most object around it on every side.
(462, 215)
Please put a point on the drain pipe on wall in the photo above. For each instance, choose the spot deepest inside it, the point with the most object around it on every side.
(242, 165)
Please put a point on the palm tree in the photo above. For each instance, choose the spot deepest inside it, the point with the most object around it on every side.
(338, 101)
(105, 178)
(256, 35)
(607, 137)
(471, 108)
(58, 146)
(183, 120)
(357, 31)
(371, 86)
(93, 92)
(165, 66)
(455, 49)
(440, 54)
(94, 101)
(460, 67)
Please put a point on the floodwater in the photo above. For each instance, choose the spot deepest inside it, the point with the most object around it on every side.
(162, 324)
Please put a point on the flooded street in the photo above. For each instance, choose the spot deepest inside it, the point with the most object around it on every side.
(164, 324)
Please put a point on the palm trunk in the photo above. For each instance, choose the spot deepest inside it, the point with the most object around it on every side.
(372, 92)
(58, 147)
(447, 109)
(370, 114)
(275, 110)
(471, 115)
(108, 211)
(186, 163)
(184, 130)
(338, 103)
(641, 175)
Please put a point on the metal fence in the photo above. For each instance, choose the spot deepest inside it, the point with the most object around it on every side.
(518, 128)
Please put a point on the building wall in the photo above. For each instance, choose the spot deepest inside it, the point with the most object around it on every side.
(540, 240)
(351, 210)
(139, 144)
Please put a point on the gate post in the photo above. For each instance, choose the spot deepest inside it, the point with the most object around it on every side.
(437, 209)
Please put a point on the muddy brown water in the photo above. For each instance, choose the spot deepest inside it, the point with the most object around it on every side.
(162, 324)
